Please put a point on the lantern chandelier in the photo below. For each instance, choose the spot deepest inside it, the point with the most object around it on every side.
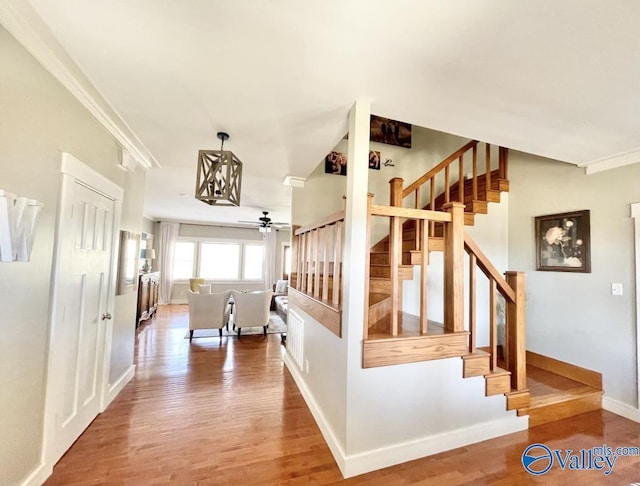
(219, 176)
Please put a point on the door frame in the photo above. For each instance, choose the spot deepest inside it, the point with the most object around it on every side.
(73, 171)
(635, 214)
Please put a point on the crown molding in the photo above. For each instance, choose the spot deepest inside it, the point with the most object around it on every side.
(22, 22)
(612, 162)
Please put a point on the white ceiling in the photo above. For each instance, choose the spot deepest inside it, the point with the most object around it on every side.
(554, 78)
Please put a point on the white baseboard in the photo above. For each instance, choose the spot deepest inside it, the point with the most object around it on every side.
(325, 428)
(38, 476)
(374, 459)
(622, 409)
(178, 301)
(117, 387)
(426, 446)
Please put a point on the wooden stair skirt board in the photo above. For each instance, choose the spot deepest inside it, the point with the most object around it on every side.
(392, 351)
(581, 391)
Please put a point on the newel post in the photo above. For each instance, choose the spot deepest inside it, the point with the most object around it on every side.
(516, 331)
(395, 186)
(453, 268)
(395, 252)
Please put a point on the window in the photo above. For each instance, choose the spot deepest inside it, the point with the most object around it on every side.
(183, 259)
(218, 260)
(253, 257)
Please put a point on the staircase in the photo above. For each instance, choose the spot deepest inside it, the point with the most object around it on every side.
(429, 216)
(435, 223)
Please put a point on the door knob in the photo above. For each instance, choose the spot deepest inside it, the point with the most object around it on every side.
(106, 315)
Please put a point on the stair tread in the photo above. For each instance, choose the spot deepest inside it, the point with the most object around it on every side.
(377, 297)
(478, 353)
(497, 371)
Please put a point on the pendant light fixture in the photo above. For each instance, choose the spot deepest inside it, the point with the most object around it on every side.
(219, 176)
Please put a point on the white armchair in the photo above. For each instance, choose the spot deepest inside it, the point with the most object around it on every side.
(208, 311)
(251, 309)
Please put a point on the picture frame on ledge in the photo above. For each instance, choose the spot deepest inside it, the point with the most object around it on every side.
(563, 242)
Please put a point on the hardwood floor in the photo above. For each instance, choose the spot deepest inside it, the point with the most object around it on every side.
(228, 412)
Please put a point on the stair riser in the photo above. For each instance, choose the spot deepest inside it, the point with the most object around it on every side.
(379, 258)
(568, 408)
(518, 400)
(406, 245)
(497, 385)
(475, 366)
(404, 273)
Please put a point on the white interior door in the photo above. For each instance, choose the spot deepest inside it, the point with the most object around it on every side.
(81, 310)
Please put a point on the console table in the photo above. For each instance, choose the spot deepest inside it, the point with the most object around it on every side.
(147, 295)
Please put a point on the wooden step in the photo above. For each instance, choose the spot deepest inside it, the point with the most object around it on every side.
(378, 284)
(405, 272)
(499, 184)
(379, 306)
(492, 195)
(497, 382)
(406, 245)
(477, 207)
(563, 404)
(476, 364)
(560, 390)
(379, 257)
(518, 400)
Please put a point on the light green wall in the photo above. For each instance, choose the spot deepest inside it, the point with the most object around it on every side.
(573, 316)
(39, 121)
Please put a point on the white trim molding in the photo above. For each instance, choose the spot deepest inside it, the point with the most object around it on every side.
(612, 162)
(118, 386)
(635, 214)
(27, 27)
(619, 408)
(335, 446)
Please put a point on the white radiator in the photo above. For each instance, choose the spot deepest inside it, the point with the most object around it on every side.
(295, 338)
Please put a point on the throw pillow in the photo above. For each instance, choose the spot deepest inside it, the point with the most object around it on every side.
(281, 286)
(204, 289)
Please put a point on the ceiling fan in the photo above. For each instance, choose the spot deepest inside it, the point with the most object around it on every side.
(264, 223)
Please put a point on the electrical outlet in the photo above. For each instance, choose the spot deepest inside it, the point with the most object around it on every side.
(616, 289)
(306, 365)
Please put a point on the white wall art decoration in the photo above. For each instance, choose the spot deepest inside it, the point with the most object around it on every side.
(18, 224)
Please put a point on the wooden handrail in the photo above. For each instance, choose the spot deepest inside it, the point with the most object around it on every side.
(512, 289)
(438, 168)
(327, 220)
(487, 268)
(410, 213)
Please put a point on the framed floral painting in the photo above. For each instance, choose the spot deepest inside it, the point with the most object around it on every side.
(563, 243)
